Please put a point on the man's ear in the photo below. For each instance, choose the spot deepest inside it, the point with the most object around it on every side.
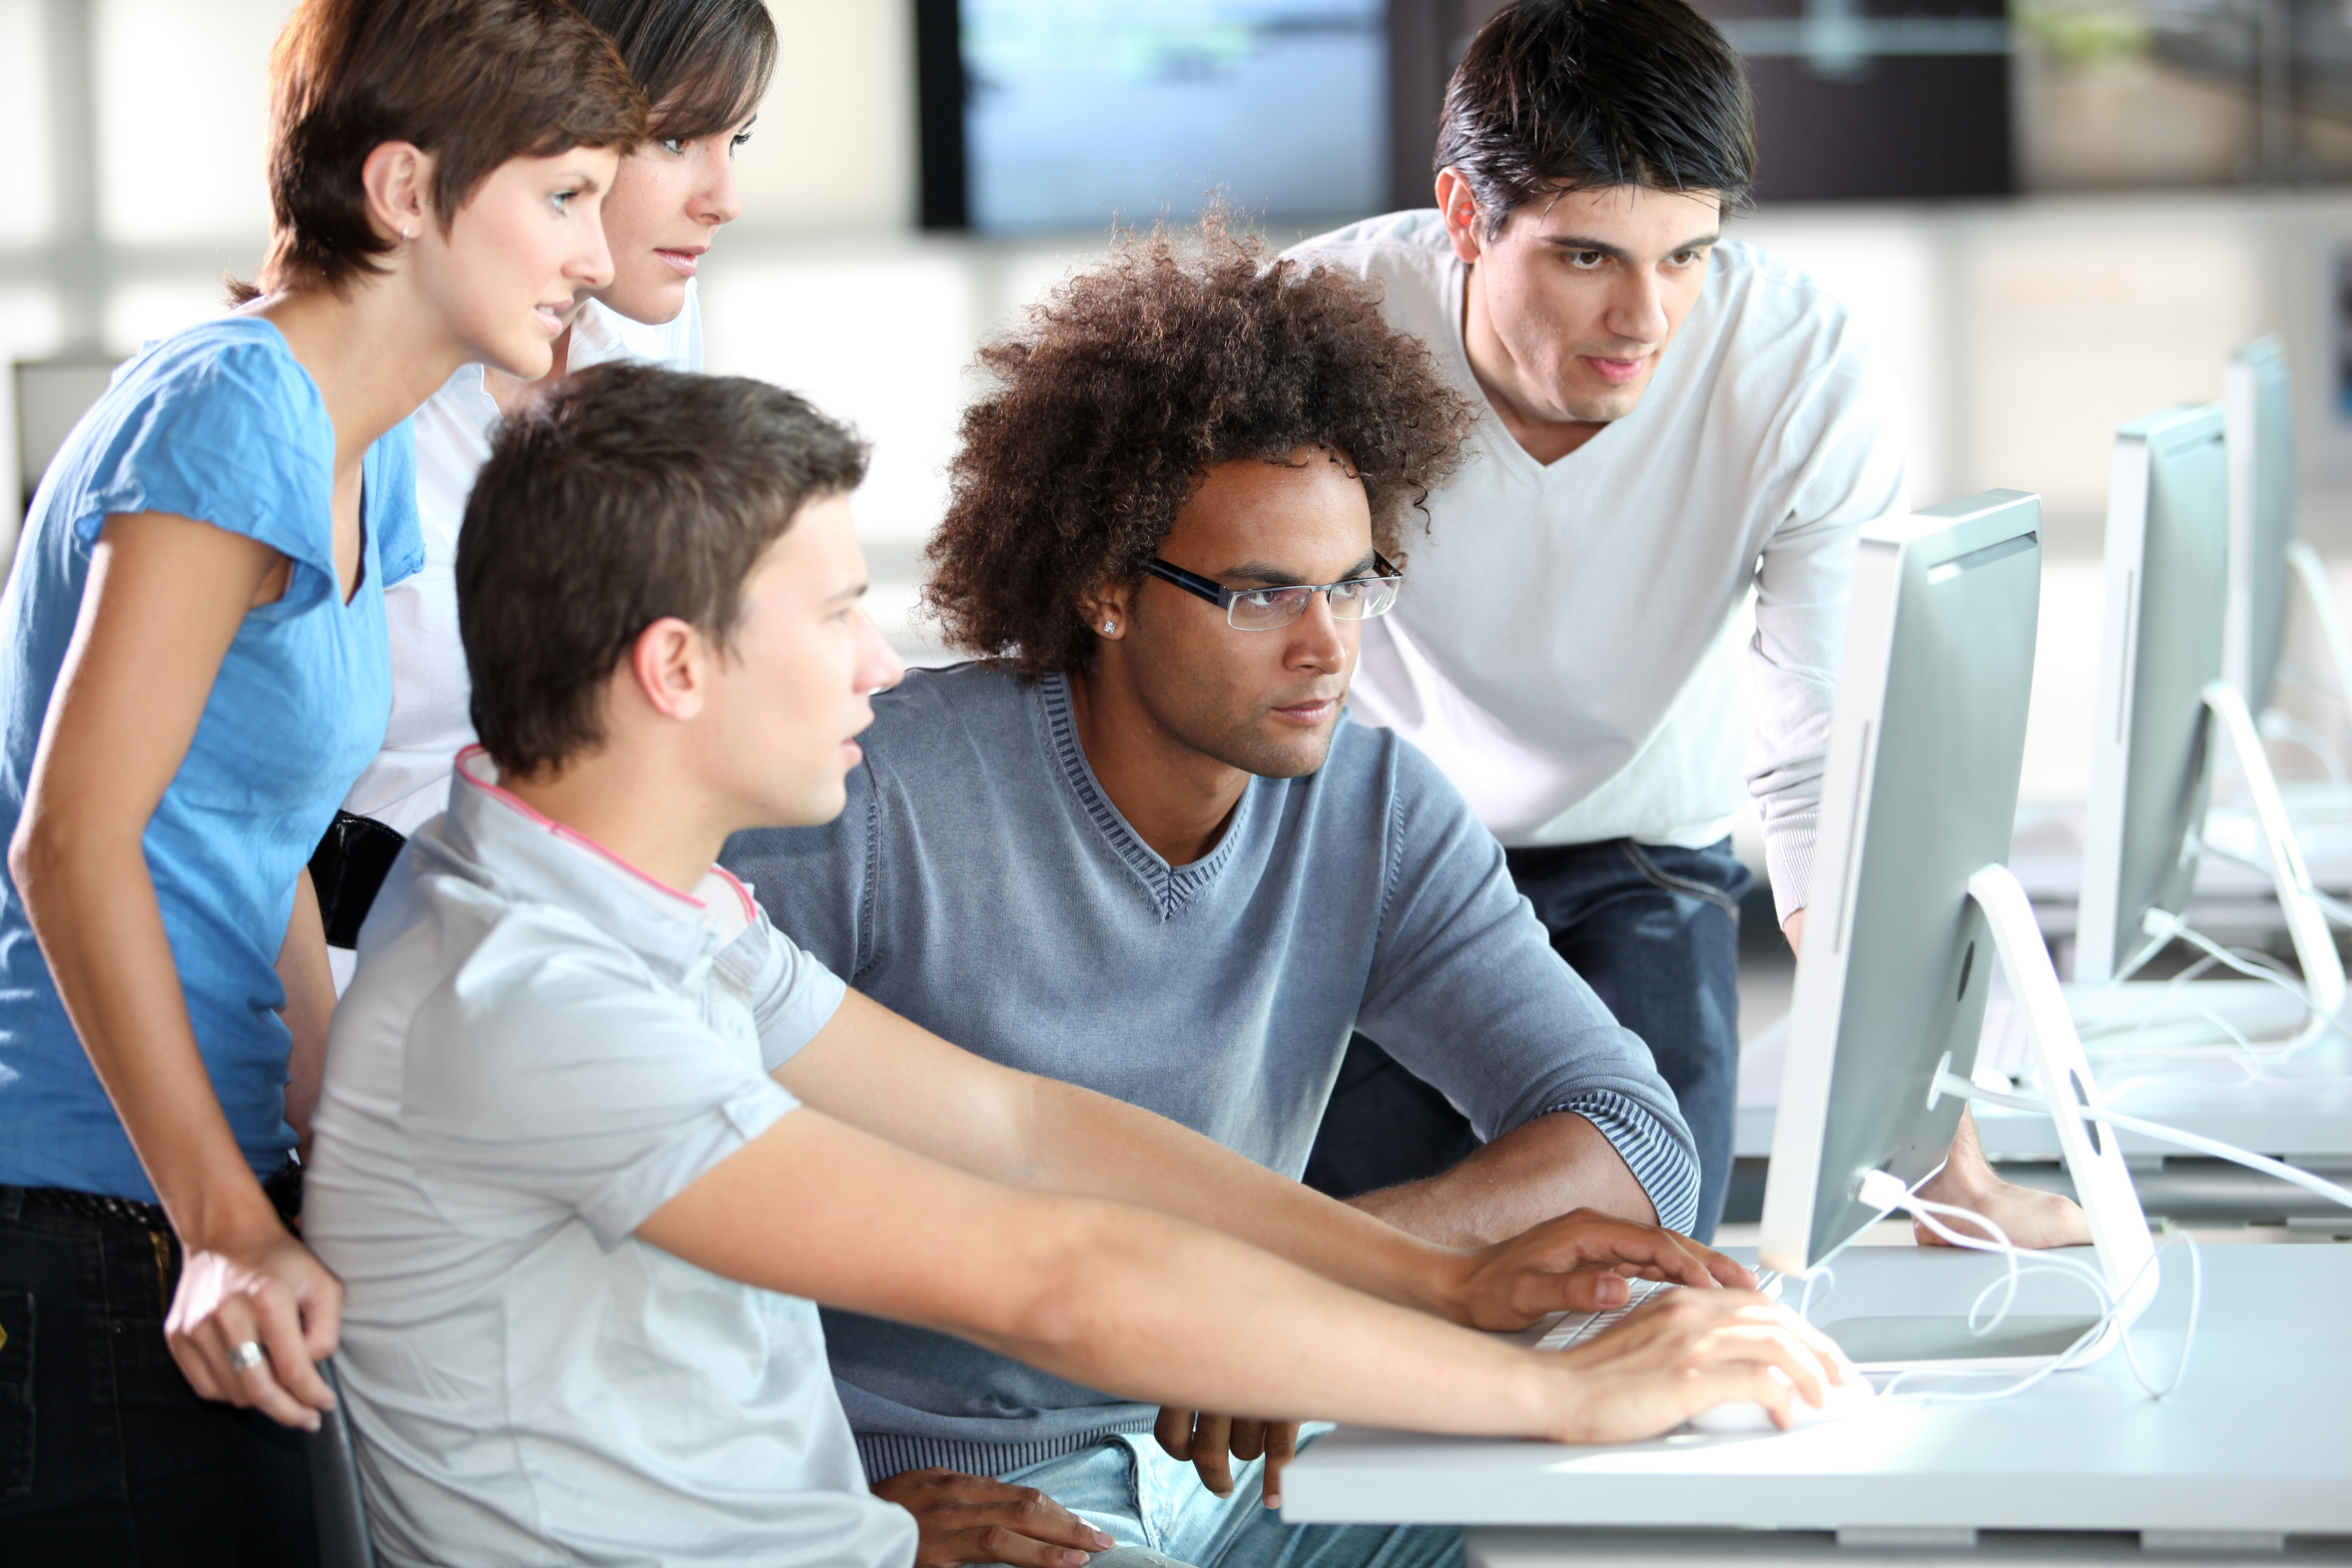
(1464, 224)
(399, 180)
(1106, 608)
(668, 666)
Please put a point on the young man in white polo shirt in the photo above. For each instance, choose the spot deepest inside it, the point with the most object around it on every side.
(593, 1133)
(1671, 421)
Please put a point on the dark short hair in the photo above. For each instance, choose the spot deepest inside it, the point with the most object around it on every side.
(473, 82)
(626, 494)
(1558, 95)
(704, 64)
(1130, 383)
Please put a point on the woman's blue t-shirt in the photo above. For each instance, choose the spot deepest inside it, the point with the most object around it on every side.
(219, 423)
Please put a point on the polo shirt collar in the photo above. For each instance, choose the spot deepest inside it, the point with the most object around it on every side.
(529, 856)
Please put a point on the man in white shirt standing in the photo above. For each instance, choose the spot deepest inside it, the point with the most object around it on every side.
(1676, 421)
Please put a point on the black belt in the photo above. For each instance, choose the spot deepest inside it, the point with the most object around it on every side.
(347, 868)
(282, 1186)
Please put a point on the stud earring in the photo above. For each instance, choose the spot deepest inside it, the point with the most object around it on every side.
(1110, 626)
(408, 233)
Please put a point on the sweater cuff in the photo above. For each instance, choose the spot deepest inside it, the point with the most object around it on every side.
(1788, 860)
(1663, 1164)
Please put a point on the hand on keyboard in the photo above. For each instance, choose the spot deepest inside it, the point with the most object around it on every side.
(1581, 1262)
(1576, 1328)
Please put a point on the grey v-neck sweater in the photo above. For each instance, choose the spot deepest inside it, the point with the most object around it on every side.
(981, 883)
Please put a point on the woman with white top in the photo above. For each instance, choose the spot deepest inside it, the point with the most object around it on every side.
(704, 64)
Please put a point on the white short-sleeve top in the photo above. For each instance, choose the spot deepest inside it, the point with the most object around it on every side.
(408, 782)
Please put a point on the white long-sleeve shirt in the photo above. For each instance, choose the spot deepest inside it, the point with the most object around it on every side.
(1566, 647)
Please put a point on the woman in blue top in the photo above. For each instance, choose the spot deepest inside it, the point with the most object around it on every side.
(191, 673)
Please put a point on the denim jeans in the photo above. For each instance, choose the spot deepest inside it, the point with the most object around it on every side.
(107, 1456)
(1128, 1488)
(1654, 930)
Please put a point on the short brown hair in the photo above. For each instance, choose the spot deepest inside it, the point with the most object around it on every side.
(626, 494)
(704, 64)
(1558, 95)
(1130, 382)
(473, 82)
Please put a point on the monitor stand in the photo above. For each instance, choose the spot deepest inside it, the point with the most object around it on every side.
(2259, 1009)
(2102, 1183)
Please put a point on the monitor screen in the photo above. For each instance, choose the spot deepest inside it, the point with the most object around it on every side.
(1077, 112)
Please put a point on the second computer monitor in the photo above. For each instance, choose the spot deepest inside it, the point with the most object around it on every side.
(2167, 572)
(1920, 793)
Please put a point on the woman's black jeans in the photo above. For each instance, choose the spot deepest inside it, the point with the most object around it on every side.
(107, 1456)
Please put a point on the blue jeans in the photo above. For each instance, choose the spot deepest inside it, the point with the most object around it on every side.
(1129, 1489)
(107, 1456)
(1654, 930)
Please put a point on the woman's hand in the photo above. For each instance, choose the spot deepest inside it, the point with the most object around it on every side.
(1207, 1440)
(1578, 1261)
(265, 1290)
(1685, 1351)
(970, 1519)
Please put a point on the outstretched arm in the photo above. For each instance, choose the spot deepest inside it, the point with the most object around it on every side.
(1150, 1306)
(1046, 1136)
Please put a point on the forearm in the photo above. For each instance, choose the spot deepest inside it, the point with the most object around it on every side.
(1105, 1148)
(310, 1006)
(1112, 1297)
(1024, 1131)
(92, 905)
(1539, 1168)
(1267, 1339)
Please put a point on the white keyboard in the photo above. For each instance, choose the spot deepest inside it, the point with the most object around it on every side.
(1573, 1329)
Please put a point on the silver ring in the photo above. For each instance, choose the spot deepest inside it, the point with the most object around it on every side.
(248, 1355)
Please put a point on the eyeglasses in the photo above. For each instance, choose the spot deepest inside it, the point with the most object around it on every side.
(1265, 608)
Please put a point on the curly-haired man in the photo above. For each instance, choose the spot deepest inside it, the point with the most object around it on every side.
(1140, 846)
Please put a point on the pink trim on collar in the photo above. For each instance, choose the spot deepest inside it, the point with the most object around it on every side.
(751, 910)
(572, 836)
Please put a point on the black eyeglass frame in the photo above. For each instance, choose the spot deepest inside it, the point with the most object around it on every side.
(1224, 597)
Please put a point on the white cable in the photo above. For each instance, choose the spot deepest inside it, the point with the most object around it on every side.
(1818, 1274)
(2172, 1135)
(2333, 907)
(2163, 926)
(1886, 1193)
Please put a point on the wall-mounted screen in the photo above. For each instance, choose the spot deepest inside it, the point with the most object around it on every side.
(1077, 112)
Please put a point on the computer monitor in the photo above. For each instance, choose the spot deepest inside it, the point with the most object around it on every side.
(2258, 414)
(1911, 910)
(2163, 708)
(2167, 571)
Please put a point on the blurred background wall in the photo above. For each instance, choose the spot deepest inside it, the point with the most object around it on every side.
(2051, 218)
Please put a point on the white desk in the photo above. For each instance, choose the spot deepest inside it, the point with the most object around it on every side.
(2255, 1444)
